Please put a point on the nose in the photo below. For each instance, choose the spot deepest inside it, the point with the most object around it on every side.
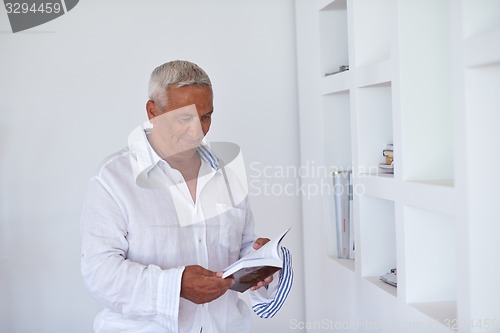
(194, 129)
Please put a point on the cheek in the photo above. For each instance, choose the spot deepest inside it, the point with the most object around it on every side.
(205, 126)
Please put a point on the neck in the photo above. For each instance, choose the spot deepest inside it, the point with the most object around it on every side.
(185, 161)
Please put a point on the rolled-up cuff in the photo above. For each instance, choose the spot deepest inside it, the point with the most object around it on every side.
(168, 298)
(267, 309)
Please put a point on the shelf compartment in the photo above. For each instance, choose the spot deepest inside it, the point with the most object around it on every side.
(425, 90)
(374, 110)
(337, 131)
(480, 16)
(377, 244)
(431, 256)
(483, 49)
(333, 36)
(372, 31)
(337, 155)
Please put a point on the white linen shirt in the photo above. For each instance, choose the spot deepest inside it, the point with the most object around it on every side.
(136, 242)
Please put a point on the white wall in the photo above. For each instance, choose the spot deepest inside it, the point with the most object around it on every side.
(71, 91)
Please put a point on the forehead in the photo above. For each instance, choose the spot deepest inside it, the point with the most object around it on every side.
(199, 96)
(189, 95)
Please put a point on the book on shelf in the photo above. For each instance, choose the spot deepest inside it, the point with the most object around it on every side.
(342, 181)
(352, 246)
(256, 266)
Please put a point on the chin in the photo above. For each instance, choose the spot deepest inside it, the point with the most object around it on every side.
(187, 151)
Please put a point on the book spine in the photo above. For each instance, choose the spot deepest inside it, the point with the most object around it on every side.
(352, 246)
(342, 215)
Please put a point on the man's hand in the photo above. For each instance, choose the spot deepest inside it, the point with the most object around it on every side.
(257, 245)
(199, 285)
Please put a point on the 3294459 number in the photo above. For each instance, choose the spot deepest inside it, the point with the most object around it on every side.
(23, 8)
(484, 323)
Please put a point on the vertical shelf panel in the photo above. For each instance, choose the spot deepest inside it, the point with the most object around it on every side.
(431, 261)
(333, 36)
(482, 131)
(374, 107)
(425, 90)
(377, 236)
(372, 31)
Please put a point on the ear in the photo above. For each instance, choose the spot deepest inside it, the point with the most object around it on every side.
(152, 109)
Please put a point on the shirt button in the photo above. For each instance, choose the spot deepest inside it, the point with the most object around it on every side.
(199, 240)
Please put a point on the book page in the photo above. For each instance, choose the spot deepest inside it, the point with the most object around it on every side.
(268, 250)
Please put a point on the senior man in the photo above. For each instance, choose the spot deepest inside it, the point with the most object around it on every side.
(162, 218)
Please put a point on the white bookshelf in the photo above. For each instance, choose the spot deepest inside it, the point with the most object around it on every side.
(423, 75)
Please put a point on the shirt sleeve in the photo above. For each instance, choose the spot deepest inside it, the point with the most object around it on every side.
(266, 302)
(132, 289)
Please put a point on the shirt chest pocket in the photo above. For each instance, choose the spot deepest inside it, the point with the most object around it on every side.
(232, 222)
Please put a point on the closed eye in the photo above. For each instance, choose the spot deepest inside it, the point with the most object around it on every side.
(185, 117)
(207, 116)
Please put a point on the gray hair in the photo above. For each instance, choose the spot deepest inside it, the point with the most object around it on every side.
(178, 73)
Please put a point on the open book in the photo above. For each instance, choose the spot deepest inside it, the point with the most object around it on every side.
(256, 266)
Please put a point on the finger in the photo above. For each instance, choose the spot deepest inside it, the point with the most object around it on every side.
(259, 242)
(216, 283)
(228, 283)
(196, 269)
(257, 286)
(263, 283)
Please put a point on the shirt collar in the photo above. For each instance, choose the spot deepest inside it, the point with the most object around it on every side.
(144, 159)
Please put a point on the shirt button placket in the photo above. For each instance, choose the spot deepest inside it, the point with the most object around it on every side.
(202, 236)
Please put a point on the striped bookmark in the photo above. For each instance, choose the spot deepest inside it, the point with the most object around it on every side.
(268, 310)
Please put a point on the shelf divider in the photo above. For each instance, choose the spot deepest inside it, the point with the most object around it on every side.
(374, 74)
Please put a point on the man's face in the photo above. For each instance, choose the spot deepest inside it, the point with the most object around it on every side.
(186, 119)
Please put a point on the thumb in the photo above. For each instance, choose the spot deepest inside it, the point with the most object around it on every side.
(259, 242)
